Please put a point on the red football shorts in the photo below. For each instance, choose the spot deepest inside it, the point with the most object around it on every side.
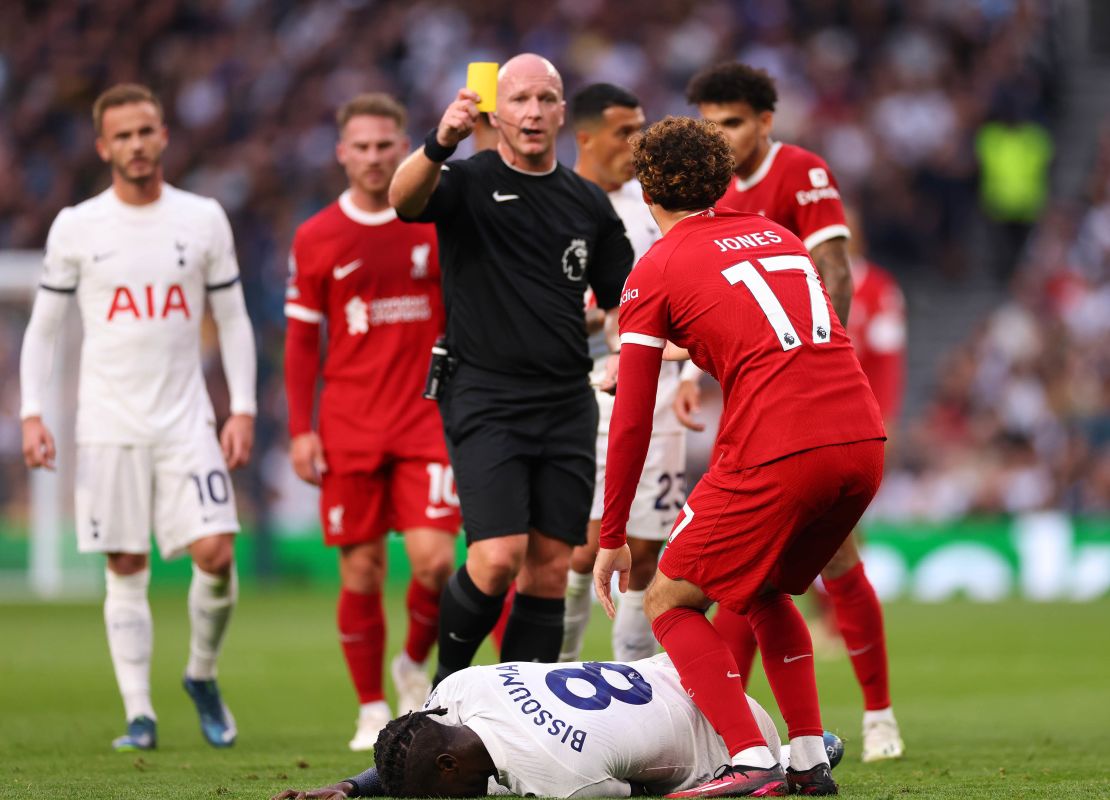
(358, 507)
(777, 523)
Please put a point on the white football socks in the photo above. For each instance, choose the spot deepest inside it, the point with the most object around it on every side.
(757, 757)
(130, 639)
(576, 617)
(632, 636)
(211, 599)
(807, 752)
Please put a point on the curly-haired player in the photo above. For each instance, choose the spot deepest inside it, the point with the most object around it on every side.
(798, 458)
(796, 188)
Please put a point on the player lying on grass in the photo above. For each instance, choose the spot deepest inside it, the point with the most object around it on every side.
(592, 729)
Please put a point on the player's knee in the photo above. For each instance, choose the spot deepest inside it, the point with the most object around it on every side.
(361, 568)
(126, 563)
(214, 554)
(654, 603)
(583, 557)
(435, 571)
(842, 561)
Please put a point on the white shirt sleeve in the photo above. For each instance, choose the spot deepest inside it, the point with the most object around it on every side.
(690, 372)
(61, 266)
(236, 346)
(222, 266)
(36, 360)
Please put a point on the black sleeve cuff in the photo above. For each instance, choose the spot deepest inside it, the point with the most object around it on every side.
(367, 784)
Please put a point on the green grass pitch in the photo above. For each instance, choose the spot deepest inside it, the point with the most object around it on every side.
(1009, 700)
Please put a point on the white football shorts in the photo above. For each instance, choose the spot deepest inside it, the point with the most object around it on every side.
(660, 492)
(180, 490)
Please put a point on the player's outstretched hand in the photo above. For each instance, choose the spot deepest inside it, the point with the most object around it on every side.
(687, 403)
(608, 561)
(458, 120)
(306, 451)
(237, 440)
(336, 792)
(38, 444)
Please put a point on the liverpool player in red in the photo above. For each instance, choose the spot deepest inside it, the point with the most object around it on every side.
(380, 455)
(795, 188)
(797, 460)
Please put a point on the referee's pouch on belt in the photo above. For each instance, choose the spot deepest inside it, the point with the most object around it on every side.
(440, 370)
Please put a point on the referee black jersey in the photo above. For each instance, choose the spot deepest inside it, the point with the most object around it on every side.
(517, 251)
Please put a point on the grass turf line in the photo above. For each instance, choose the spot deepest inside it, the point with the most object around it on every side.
(1008, 700)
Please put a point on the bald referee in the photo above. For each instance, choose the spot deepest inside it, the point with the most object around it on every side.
(521, 237)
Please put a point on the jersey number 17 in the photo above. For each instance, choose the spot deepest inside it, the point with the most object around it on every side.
(746, 273)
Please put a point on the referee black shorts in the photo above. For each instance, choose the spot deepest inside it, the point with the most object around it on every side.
(523, 453)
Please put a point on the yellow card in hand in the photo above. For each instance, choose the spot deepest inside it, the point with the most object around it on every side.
(481, 77)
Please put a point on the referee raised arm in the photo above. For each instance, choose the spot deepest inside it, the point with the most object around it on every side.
(520, 237)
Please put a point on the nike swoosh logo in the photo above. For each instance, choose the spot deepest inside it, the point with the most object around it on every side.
(501, 198)
(788, 659)
(454, 637)
(342, 272)
(98, 257)
(437, 513)
(861, 650)
(732, 674)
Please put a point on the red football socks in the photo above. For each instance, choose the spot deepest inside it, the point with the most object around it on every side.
(780, 629)
(362, 635)
(709, 674)
(423, 608)
(860, 620)
(737, 633)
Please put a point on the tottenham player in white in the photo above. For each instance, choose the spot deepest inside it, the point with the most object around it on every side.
(141, 258)
(604, 117)
(593, 729)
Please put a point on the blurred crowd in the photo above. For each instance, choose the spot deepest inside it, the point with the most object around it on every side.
(1021, 418)
(893, 94)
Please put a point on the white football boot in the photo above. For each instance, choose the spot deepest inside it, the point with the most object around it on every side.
(881, 738)
(372, 717)
(411, 682)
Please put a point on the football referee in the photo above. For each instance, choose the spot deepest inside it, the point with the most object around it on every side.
(520, 237)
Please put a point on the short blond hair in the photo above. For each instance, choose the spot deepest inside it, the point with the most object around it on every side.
(371, 104)
(122, 94)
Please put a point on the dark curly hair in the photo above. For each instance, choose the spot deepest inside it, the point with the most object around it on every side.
(399, 753)
(683, 164)
(733, 83)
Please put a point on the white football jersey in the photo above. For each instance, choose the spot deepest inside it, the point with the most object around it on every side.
(140, 274)
(587, 729)
(639, 225)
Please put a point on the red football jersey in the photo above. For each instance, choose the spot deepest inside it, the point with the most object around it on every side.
(742, 295)
(877, 327)
(795, 188)
(375, 280)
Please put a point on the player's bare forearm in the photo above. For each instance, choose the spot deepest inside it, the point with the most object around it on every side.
(418, 175)
(595, 320)
(413, 184)
(831, 259)
(672, 352)
(612, 330)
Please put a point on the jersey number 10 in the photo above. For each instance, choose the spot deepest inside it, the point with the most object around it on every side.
(746, 273)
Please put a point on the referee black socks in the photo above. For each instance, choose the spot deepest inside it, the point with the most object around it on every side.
(466, 616)
(534, 631)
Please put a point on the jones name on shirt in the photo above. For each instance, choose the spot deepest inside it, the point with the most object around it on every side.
(748, 240)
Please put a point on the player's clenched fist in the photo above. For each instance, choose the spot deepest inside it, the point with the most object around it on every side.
(38, 444)
(306, 452)
(459, 118)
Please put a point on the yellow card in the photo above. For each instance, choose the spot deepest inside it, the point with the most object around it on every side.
(481, 77)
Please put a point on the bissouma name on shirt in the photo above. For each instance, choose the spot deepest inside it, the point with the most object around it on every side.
(575, 738)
